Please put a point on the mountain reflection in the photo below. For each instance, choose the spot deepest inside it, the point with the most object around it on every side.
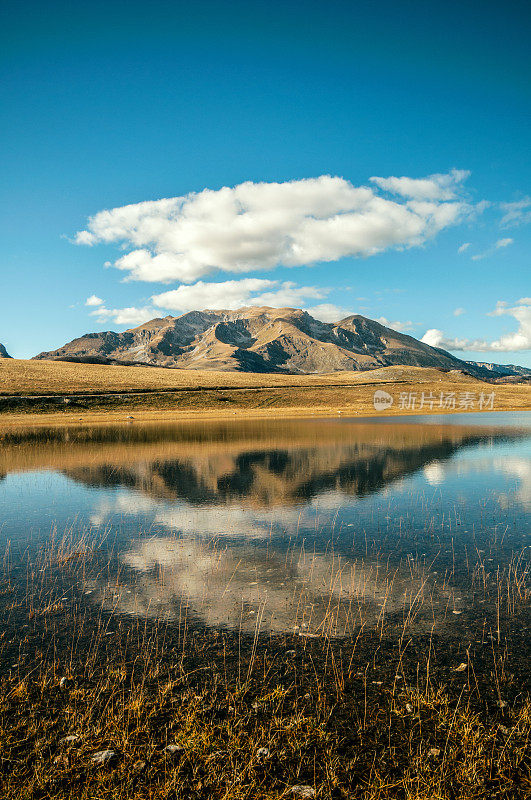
(276, 476)
(258, 463)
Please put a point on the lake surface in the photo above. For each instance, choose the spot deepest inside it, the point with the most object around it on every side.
(322, 527)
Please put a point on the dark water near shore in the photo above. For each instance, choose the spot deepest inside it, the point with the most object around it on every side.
(322, 527)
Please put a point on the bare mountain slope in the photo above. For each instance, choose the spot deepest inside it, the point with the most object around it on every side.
(3, 352)
(259, 340)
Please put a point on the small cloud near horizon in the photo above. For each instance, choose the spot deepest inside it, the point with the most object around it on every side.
(519, 340)
(125, 316)
(226, 295)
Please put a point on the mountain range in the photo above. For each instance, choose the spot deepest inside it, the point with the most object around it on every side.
(3, 352)
(256, 340)
(286, 340)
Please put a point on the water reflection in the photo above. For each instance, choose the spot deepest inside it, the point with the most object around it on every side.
(259, 464)
(322, 525)
(241, 587)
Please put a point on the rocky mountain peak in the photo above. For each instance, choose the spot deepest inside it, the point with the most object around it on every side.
(260, 339)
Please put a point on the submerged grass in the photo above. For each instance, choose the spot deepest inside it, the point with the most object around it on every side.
(188, 713)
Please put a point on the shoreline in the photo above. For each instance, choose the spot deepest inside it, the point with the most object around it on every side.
(126, 412)
(206, 415)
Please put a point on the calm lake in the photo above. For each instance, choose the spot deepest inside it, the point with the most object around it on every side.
(318, 527)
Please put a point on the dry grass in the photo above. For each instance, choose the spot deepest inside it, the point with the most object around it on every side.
(321, 727)
(18, 376)
(161, 393)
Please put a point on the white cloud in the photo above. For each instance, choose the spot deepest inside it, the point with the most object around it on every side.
(499, 245)
(289, 294)
(459, 311)
(519, 340)
(518, 213)
(229, 295)
(396, 325)
(237, 294)
(125, 316)
(436, 338)
(261, 225)
(328, 312)
(501, 306)
(93, 300)
(464, 247)
(435, 187)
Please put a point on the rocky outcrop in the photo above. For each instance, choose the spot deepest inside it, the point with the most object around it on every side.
(3, 352)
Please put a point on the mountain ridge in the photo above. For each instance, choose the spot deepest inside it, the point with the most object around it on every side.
(503, 370)
(260, 339)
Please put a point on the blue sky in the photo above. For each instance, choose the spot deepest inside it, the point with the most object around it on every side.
(119, 103)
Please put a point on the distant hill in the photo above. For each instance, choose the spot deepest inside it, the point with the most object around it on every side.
(260, 340)
(500, 371)
(3, 352)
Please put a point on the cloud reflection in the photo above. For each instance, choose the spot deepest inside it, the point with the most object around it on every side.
(244, 587)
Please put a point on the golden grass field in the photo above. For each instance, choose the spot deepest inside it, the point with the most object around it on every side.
(158, 393)
(19, 376)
